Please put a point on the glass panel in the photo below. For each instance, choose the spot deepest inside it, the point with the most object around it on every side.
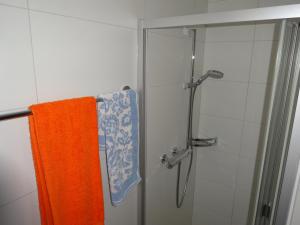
(232, 108)
(168, 63)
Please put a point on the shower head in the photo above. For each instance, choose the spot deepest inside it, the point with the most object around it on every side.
(214, 74)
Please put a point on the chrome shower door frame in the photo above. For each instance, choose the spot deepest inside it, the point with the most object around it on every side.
(279, 127)
(282, 186)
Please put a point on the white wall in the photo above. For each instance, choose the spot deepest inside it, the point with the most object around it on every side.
(164, 8)
(53, 50)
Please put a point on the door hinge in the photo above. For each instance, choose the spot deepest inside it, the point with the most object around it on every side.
(266, 210)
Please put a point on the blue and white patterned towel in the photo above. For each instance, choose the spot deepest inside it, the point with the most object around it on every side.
(118, 121)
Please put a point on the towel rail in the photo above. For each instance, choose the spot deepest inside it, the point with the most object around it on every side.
(27, 112)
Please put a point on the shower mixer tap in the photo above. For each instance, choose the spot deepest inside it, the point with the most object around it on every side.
(177, 156)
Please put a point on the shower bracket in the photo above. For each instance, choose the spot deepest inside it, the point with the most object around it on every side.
(204, 142)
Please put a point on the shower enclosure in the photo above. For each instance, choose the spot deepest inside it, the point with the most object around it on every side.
(217, 155)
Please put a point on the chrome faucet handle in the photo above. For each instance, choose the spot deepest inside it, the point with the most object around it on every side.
(186, 85)
(164, 158)
(174, 151)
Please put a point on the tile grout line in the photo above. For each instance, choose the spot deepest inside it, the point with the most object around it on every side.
(32, 53)
(70, 16)
(243, 126)
(13, 6)
(83, 19)
(17, 199)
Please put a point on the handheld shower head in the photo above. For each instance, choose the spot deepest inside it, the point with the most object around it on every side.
(214, 74)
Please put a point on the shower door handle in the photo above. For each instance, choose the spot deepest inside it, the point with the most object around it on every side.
(204, 142)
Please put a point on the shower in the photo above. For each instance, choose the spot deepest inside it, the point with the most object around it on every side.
(179, 155)
(249, 175)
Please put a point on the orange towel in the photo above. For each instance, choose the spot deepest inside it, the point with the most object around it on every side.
(64, 138)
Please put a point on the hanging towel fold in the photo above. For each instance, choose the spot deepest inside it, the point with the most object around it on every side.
(119, 137)
(64, 137)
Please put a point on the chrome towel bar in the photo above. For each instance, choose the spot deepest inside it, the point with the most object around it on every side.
(27, 112)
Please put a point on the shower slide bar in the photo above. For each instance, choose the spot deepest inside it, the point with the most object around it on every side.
(27, 112)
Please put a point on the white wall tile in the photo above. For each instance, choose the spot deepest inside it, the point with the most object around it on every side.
(17, 83)
(215, 198)
(227, 130)
(223, 55)
(164, 8)
(36, 219)
(266, 31)
(201, 34)
(19, 212)
(199, 58)
(158, 197)
(252, 135)
(243, 191)
(241, 207)
(78, 58)
(201, 6)
(117, 12)
(160, 200)
(168, 58)
(120, 215)
(18, 3)
(245, 173)
(117, 215)
(223, 98)
(230, 33)
(166, 123)
(16, 164)
(203, 217)
(263, 60)
(217, 167)
(256, 102)
(228, 5)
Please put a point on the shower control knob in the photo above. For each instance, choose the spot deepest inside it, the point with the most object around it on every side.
(174, 151)
(163, 158)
